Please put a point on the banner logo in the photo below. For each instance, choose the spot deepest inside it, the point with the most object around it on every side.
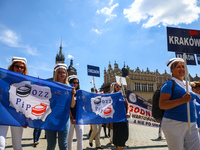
(132, 98)
(30, 99)
(102, 106)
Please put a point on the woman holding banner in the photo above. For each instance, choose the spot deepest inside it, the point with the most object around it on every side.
(18, 65)
(60, 75)
(73, 126)
(120, 129)
(175, 120)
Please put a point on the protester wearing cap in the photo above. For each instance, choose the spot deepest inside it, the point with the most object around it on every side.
(175, 121)
(60, 75)
(72, 79)
(18, 65)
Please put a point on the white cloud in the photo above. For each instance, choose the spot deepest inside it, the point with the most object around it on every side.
(100, 31)
(108, 11)
(70, 57)
(30, 50)
(168, 12)
(110, 3)
(77, 64)
(11, 39)
(41, 67)
(97, 31)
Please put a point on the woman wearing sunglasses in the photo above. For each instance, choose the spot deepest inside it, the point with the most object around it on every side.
(120, 129)
(18, 65)
(73, 126)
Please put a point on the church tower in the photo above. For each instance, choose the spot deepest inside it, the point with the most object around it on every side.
(71, 70)
(60, 57)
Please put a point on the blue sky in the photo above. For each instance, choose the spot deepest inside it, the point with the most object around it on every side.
(93, 32)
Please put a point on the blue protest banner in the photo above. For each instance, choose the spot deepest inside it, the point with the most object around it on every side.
(93, 108)
(93, 71)
(33, 102)
(183, 40)
(190, 58)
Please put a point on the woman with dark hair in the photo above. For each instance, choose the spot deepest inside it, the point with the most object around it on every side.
(60, 75)
(175, 121)
(73, 126)
(18, 65)
(120, 129)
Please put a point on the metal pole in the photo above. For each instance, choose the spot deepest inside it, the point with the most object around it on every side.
(186, 80)
(94, 83)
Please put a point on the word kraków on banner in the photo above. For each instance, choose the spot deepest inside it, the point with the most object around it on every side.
(184, 41)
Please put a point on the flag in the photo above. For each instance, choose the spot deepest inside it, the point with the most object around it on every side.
(33, 102)
(193, 32)
(93, 108)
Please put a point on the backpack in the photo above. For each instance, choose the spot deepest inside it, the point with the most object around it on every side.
(156, 111)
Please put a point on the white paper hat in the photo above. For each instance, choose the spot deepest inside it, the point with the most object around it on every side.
(60, 65)
(173, 60)
(19, 59)
(71, 77)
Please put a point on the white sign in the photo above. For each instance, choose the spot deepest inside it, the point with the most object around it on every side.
(121, 80)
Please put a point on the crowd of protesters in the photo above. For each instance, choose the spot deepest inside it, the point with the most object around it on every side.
(65, 138)
(174, 123)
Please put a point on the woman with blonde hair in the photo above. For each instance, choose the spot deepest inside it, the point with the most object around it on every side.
(60, 75)
(120, 129)
(18, 65)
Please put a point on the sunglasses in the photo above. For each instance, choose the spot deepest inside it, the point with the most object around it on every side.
(17, 66)
(59, 72)
(75, 82)
(118, 86)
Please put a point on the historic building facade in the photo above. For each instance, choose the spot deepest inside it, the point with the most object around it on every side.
(142, 83)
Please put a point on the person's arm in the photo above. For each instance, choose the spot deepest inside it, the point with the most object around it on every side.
(73, 102)
(127, 105)
(166, 103)
(127, 110)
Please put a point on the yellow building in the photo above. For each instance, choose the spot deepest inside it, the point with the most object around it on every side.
(142, 83)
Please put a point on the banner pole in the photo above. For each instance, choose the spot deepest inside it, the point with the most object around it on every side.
(186, 80)
(94, 83)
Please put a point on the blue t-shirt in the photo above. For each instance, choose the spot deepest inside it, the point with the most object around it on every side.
(198, 111)
(178, 113)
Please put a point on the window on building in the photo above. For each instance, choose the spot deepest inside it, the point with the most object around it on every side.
(144, 87)
(137, 86)
(150, 87)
